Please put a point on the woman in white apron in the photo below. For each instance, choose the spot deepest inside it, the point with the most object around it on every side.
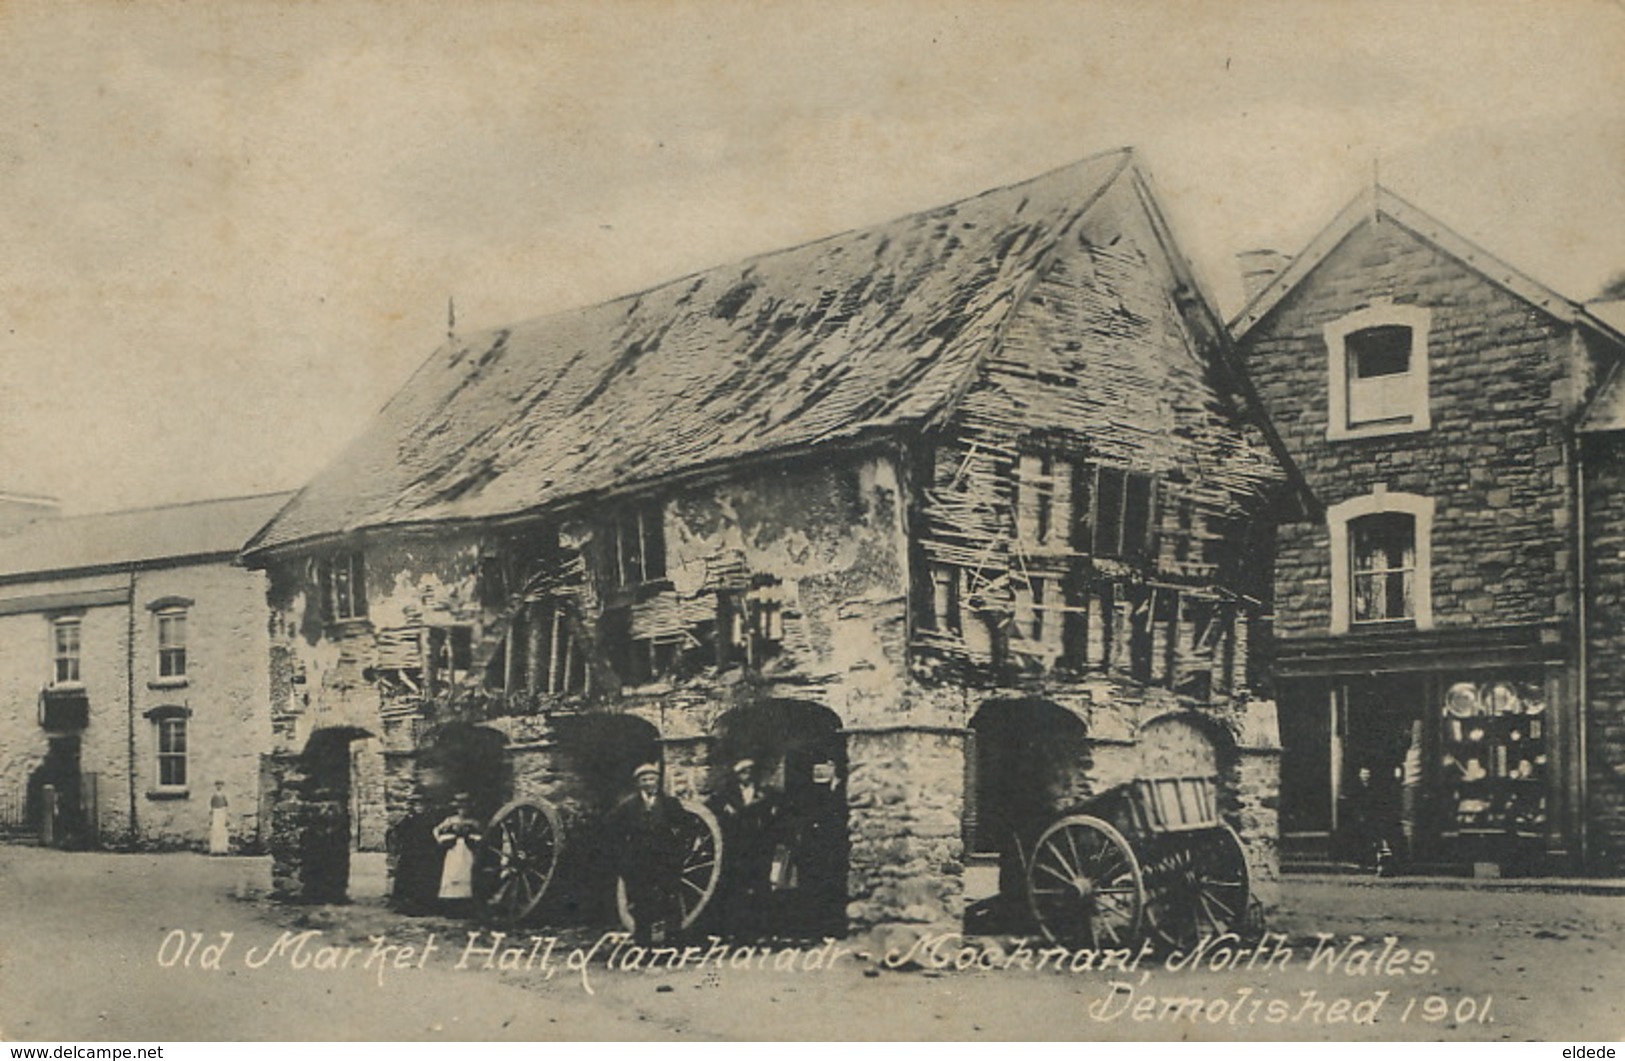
(219, 821)
(457, 835)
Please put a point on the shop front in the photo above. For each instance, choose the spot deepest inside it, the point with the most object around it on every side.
(1427, 758)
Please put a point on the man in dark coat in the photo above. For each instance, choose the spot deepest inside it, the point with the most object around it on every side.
(820, 854)
(647, 830)
(748, 812)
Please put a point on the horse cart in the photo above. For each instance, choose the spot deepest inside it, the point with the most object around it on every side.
(1150, 859)
(519, 857)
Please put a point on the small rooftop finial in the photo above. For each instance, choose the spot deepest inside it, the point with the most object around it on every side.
(1376, 182)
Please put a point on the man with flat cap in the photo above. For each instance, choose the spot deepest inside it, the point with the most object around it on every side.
(647, 829)
(748, 811)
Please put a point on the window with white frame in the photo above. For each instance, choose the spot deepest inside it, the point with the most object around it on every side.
(170, 734)
(65, 651)
(171, 623)
(1383, 555)
(1381, 561)
(1378, 371)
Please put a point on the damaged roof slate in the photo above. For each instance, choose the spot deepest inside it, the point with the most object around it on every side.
(873, 330)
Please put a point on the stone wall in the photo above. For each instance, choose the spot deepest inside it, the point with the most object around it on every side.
(1605, 677)
(1501, 386)
(905, 795)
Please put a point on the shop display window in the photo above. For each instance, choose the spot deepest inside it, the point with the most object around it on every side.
(1494, 746)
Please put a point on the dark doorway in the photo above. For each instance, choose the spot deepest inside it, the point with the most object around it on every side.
(1379, 728)
(458, 758)
(1029, 761)
(324, 838)
(55, 806)
(778, 781)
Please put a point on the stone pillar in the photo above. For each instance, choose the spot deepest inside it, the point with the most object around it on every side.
(287, 824)
(1255, 788)
(905, 795)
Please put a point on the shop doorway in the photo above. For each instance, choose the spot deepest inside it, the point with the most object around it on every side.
(1377, 755)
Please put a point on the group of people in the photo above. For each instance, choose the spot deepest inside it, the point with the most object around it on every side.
(782, 874)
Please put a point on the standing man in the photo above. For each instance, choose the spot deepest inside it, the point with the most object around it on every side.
(747, 812)
(821, 854)
(646, 828)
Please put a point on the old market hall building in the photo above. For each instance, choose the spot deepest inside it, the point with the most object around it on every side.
(973, 503)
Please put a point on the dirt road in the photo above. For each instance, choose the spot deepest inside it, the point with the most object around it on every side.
(167, 947)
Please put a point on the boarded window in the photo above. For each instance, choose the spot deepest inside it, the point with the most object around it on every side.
(1380, 389)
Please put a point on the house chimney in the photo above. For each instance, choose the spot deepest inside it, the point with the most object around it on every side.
(18, 510)
(1258, 268)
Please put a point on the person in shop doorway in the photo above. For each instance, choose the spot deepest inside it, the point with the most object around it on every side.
(219, 821)
(647, 830)
(457, 835)
(748, 812)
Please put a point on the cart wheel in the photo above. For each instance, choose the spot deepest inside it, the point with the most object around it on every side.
(702, 866)
(520, 855)
(1200, 888)
(1084, 884)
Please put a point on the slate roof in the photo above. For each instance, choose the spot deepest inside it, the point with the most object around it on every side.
(214, 529)
(872, 331)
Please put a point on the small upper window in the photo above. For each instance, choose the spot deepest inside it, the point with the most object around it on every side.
(65, 651)
(344, 587)
(172, 643)
(1379, 371)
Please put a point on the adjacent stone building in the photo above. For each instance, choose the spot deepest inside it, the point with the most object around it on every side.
(1449, 663)
(133, 673)
(970, 502)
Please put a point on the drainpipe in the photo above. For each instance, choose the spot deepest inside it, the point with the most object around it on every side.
(1582, 616)
(129, 701)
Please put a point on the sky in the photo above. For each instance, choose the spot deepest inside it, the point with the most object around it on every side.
(231, 229)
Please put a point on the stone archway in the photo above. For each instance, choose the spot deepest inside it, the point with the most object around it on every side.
(1185, 744)
(788, 853)
(453, 759)
(1028, 762)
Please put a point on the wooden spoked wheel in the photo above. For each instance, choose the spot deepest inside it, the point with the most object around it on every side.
(519, 856)
(701, 866)
(1084, 884)
(1199, 887)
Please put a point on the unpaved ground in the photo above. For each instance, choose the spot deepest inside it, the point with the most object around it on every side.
(90, 951)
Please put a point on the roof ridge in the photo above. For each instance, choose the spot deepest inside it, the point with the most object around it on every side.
(1127, 151)
(1374, 201)
(176, 504)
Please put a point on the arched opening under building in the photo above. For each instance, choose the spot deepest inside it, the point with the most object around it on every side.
(596, 755)
(456, 759)
(778, 784)
(1026, 762)
(322, 787)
